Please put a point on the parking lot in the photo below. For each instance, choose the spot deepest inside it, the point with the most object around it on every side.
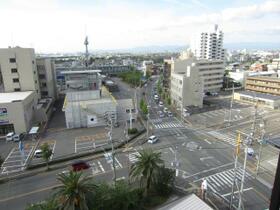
(51, 143)
(16, 159)
(90, 142)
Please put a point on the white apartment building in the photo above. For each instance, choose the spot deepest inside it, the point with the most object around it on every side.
(47, 80)
(186, 88)
(211, 71)
(18, 70)
(208, 45)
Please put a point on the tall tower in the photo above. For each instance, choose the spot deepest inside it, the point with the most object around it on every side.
(86, 54)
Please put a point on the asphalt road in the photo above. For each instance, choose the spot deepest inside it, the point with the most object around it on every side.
(199, 153)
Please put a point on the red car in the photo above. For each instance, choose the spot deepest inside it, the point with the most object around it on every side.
(80, 165)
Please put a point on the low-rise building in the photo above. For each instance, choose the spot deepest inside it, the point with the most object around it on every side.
(187, 88)
(263, 85)
(262, 99)
(17, 111)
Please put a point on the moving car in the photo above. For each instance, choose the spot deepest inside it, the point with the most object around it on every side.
(161, 114)
(80, 165)
(38, 153)
(160, 103)
(170, 114)
(9, 136)
(156, 97)
(152, 139)
(165, 110)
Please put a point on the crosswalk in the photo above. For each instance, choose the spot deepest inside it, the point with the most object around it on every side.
(159, 124)
(226, 138)
(222, 182)
(133, 156)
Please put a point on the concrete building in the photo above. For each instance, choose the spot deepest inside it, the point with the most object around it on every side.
(19, 71)
(167, 72)
(211, 71)
(86, 103)
(263, 85)
(187, 88)
(258, 67)
(275, 65)
(47, 80)
(262, 99)
(17, 111)
(208, 45)
(240, 76)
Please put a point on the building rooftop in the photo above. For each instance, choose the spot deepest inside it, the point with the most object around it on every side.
(14, 96)
(259, 95)
(81, 72)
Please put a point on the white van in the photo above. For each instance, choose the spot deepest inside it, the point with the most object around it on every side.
(152, 139)
(38, 153)
(10, 136)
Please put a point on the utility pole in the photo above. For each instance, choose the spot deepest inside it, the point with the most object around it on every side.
(148, 118)
(235, 168)
(243, 177)
(112, 148)
(231, 103)
(260, 147)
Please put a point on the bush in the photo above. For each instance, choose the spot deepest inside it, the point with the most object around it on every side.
(132, 131)
(164, 181)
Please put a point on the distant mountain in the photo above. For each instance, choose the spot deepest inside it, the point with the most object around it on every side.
(253, 46)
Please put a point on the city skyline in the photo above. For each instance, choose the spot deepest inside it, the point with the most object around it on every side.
(60, 26)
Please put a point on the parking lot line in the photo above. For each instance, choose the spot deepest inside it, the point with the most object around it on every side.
(100, 165)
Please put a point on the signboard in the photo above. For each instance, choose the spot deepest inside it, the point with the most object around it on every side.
(3, 116)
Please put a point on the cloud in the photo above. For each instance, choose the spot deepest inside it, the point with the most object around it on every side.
(53, 26)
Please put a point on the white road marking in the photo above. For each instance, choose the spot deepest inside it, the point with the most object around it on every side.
(118, 162)
(206, 158)
(244, 190)
(100, 165)
(207, 141)
(171, 150)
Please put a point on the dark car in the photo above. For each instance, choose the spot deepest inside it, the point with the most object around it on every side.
(80, 165)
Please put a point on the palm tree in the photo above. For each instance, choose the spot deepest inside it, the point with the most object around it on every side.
(146, 166)
(72, 194)
(46, 153)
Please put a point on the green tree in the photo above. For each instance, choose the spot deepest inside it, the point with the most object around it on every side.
(169, 101)
(50, 204)
(46, 153)
(164, 181)
(148, 162)
(73, 192)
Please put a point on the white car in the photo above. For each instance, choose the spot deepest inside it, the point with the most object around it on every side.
(156, 97)
(152, 139)
(165, 110)
(10, 136)
(160, 103)
(250, 151)
(38, 153)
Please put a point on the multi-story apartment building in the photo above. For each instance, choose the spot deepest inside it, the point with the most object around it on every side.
(186, 88)
(19, 71)
(47, 81)
(208, 45)
(211, 71)
(266, 85)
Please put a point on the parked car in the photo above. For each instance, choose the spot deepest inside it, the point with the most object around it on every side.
(80, 165)
(165, 110)
(170, 114)
(152, 139)
(160, 103)
(156, 97)
(38, 153)
(18, 137)
(214, 94)
(186, 114)
(250, 151)
(9, 136)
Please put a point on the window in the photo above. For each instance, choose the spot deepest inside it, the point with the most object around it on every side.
(35, 81)
(44, 84)
(17, 89)
(44, 93)
(14, 70)
(42, 76)
(12, 60)
(15, 80)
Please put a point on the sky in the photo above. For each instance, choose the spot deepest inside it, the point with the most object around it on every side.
(61, 25)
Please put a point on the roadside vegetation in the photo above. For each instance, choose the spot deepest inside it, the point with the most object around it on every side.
(46, 153)
(143, 106)
(150, 185)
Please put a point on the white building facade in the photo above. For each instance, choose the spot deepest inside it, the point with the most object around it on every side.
(208, 45)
